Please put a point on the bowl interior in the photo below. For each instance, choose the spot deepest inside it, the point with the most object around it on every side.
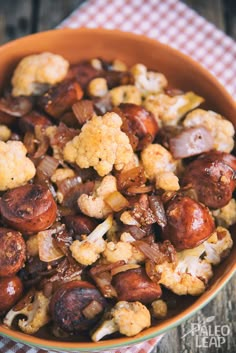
(182, 72)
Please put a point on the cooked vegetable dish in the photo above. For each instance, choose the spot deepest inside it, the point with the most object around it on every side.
(115, 187)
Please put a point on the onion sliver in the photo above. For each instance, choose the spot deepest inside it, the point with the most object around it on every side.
(191, 142)
(116, 201)
(47, 250)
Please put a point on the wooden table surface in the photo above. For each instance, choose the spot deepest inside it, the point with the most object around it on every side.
(21, 17)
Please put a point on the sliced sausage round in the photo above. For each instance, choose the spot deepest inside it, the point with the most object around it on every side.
(213, 177)
(12, 252)
(134, 284)
(189, 223)
(68, 305)
(11, 289)
(28, 208)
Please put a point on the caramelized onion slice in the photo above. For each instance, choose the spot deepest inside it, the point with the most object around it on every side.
(157, 208)
(92, 309)
(47, 166)
(47, 250)
(15, 106)
(116, 201)
(191, 142)
(124, 268)
(83, 110)
(157, 252)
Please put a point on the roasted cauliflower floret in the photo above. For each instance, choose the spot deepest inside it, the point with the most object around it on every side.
(179, 281)
(101, 145)
(226, 216)
(94, 205)
(217, 246)
(169, 110)
(189, 275)
(127, 318)
(156, 159)
(221, 129)
(194, 266)
(117, 251)
(125, 94)
(167, 181)
(87, 251)
(98, 87)
(5, 133)
(122, 251)
(62, 174)
(35, 71)
(15, 168)
(159, 309)
(36, 314)
(148, 81)
(32, 245)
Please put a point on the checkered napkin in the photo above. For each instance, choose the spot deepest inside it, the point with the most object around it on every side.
(170, 22)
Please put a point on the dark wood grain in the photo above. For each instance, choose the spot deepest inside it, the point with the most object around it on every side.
(19, 18)
(212, 10)
(53, 12)
(15, 19)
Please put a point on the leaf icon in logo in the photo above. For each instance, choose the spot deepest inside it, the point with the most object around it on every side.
(210, 319)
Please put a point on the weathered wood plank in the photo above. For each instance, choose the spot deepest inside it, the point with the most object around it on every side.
(212, 10)
(15, 19)
(230, 17)
(53, 12)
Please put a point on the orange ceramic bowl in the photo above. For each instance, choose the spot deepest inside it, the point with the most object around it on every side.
(182, 72)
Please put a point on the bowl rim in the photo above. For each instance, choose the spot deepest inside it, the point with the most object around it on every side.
(199, 303)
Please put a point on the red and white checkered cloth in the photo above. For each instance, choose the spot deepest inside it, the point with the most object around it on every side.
(170, 22)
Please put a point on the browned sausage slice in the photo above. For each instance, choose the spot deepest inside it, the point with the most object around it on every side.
(142, 121)
(68, 305)
(29, 121)
(11, 289)
(134, 284)
(213, 177)
(12, 252)
(189, 223)
(61, 97)
(28, 208)
(80, 224)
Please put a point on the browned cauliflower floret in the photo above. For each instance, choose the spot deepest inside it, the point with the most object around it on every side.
(127, 318)
(32, 245)
(87, 251)
(159, 309)
(5, 133)
(37, 314)
(94, 205)
(156, 159)
(193, 269)
(97, 87)
(169, 110)
(122, 251)
(226, 216)
(189, 275)
(125, 94)
(148, 81)
(15, 168)
(35, 71)
(101, 145)
(217, 246)
(221, 129)
(167, 181)
(62, 174)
